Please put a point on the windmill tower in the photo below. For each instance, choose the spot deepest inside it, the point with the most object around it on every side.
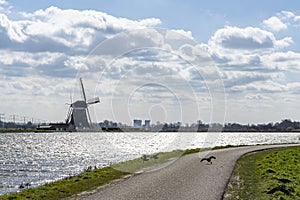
(78, 117)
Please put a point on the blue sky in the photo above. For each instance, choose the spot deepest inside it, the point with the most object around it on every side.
(254, 47)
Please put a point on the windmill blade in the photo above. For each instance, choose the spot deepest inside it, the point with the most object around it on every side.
(68, 119)
(89, 116)
(71, 98)
(93, 100)
(82, 90)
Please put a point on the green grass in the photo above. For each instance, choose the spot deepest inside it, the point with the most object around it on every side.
(227, 146)
(190, 151)
(270, 174)
(70, 186)
(28, 131)
(138, 164)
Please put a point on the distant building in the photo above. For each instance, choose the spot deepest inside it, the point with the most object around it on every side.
(137, 123)
(147, 123)
(53, 127)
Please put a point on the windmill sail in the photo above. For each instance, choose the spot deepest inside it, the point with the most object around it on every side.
(82, 90)
(93, 100)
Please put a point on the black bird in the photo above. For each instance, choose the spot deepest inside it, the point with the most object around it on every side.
(208, 159)
(27, 185)
(21, 186)
(145, 158)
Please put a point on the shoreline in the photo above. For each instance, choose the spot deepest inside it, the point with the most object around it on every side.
(141, 131)
(69, 186)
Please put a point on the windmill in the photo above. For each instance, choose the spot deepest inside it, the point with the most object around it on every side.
(78, 117)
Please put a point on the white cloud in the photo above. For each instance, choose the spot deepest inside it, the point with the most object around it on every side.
(257, 97)
(246, 39)
(243, 54)
(287, 61)
(69, 28)
(76, 62)
(274, 24)
(290, 18)
(286, 15)
(252, 59)
(28, 59)
(293, 87)
(260, 86)
(179, 35)
(14, 29)
(4, 6)
(150, 22)
(282, 20)
(3, 2)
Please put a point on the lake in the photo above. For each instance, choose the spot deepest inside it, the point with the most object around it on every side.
(41, 158)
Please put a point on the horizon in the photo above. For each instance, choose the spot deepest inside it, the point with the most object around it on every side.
(247, 68)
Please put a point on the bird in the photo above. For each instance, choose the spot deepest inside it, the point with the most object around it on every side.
(145, 158)
(208, 159)
(21, 186)
(27, 185)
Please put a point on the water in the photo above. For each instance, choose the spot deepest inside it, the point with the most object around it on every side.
(40, 158)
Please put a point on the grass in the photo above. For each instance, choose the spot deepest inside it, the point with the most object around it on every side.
(228, 146)
(70, 186)
(138, 164)
(270, 174)
(28, 131)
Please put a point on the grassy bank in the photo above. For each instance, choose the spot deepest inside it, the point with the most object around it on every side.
(91, 180)
(270, 174)
(27, 131)
(69, 186)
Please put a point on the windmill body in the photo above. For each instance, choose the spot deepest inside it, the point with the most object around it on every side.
(78, 117)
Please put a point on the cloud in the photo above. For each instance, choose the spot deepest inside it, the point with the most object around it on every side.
(54, 41)
(150, 22)
(281, 21)
(268, 86)
(246, 39)
(285, 15)
(252, 59)
(290, 17)
(14, 30)
(3, 2)
(67, 28)
(293, 87)
(5, 7)
(274, 24)
(245, 51)
(285, 61)
(257, 97)
(28, 59)
(179, 35)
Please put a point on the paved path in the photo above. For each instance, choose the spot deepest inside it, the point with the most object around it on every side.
(186, 178)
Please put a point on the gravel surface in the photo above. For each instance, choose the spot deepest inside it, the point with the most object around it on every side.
(187, 178)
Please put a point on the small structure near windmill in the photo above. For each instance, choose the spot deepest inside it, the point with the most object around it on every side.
(78, 118)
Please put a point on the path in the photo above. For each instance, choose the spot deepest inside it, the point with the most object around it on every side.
(186, 178)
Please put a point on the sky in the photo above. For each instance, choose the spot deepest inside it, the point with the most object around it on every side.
(168, 61)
